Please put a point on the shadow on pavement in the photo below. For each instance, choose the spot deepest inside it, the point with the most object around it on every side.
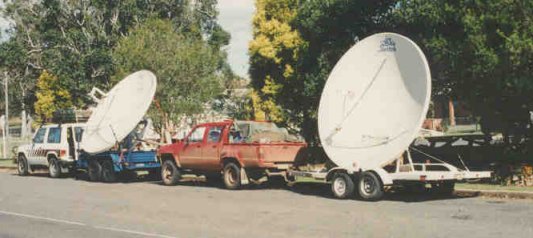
(323, 190)
(302, 188)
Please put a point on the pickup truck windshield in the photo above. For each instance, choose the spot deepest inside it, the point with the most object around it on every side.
(262, 132)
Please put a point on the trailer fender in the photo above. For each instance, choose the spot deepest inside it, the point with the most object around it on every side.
(384, 176)
(335, 170)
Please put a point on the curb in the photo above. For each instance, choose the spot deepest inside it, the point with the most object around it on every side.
(495, 194)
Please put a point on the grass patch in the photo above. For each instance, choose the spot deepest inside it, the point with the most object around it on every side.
(493, 187)
(7, 163)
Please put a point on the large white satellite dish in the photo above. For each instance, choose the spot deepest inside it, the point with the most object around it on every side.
(374, 102)
(119, 111)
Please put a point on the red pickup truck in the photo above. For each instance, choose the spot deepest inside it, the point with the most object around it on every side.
(238, 152)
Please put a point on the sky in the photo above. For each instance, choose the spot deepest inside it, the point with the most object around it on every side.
(236, 18)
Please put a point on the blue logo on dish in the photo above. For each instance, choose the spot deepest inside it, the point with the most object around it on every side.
(388, 45)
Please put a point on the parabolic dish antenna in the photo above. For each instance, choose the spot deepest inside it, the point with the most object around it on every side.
(119, 111)
(374, 102)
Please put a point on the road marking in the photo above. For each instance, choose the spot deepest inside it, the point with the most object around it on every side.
(83, 224)
(132, 232)
(42, 218)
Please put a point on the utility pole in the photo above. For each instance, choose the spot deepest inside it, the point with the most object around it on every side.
(6, 126)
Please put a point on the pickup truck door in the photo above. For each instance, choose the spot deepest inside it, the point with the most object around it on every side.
(191, 154)
(211, 150)
(36, 153)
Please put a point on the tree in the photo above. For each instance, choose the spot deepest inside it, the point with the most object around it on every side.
(187, 68)
(51, 96)
(295, 46)
(480, 52)
(74, 39)
(273, 55)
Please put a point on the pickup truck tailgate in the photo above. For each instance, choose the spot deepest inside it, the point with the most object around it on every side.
(279, 153)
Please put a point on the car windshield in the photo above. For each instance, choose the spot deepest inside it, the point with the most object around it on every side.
(263, 132)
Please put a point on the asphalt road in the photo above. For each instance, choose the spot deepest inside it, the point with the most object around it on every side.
(38, 206)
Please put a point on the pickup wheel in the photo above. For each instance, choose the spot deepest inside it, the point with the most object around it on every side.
(108, 172)
(170, 174)
(370, 187)
(22, 165)
(342, 185)
(94, 170)
(232, 176)
(54, 167)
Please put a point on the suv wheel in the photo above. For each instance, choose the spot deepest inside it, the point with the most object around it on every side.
(22, 165)
(232, 176)
(170, 174)
(108, 171)
(94, 170)
(54, 167)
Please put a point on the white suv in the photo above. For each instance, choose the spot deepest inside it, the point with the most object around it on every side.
(53, 146)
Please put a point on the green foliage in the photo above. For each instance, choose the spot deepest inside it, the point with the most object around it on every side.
(296, 44)
(273, 56)
(480, 52)
(75, 39)
(186, 67)
(51, 96)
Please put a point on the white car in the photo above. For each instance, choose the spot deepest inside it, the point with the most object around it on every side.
(53, 146)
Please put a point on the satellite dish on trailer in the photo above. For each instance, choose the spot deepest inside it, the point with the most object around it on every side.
(119, 111)
(374, 102)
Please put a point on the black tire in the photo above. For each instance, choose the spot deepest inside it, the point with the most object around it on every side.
(170, 174)
(54, 167)
(94, 170)
(342, 186)
(108, 172)
(370, 187)
(232, 176)
(444, 188)
(22, 165)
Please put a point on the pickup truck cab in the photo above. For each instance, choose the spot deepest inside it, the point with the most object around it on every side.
(53, 147)
(236, 151)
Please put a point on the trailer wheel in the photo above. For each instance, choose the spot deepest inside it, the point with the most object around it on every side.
(108, 172)
(342, 185)
(94, 170)
(54, 168)
(22, 165)
(170, 173)
(370, 187)
(443, 188)
(232, 176)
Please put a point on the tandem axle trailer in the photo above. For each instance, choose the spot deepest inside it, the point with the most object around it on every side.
(402, 172)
